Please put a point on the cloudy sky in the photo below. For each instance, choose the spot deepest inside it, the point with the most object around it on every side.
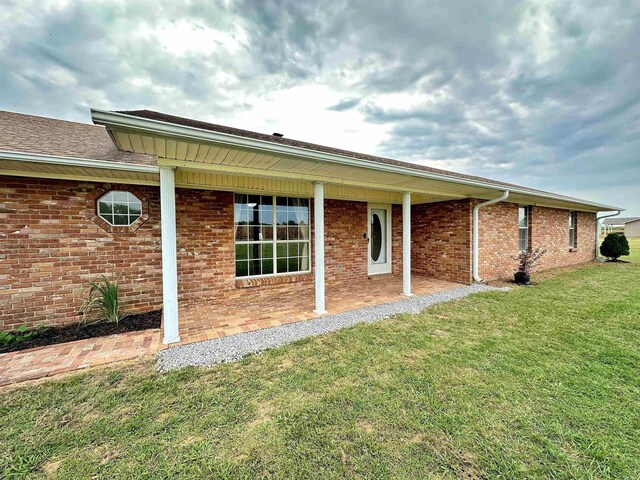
(541, 93)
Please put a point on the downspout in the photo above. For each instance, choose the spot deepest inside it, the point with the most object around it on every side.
(598, 230)
(475, 254)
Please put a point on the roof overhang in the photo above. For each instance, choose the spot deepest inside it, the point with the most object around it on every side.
(72, 168)
(198, 150)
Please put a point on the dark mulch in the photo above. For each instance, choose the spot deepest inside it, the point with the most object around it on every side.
(77, 331)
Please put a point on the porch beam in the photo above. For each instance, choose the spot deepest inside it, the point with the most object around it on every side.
(214, 168)
(318, 219)
(406, 244)
(169, 256)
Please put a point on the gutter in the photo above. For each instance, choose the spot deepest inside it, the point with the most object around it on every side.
(598, 228)
(475, 253)
(130, 122)
(76, 162)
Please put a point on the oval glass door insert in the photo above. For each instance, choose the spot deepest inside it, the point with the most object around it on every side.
(376, 237)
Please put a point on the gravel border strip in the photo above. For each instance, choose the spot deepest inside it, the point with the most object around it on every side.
(235, 347)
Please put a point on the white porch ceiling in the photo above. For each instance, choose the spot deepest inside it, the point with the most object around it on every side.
(196, 156)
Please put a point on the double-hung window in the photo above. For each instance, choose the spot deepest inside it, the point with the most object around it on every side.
(524, 216)
(271, 235)
(573, 229)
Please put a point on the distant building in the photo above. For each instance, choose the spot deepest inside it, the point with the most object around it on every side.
(616, 223)
(632, 228)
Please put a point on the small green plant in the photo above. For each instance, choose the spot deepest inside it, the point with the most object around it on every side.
(20, 334)
(6, 338)
(614, 246)
(104, 298)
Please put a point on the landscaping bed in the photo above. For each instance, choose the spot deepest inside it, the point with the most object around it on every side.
(79, 331)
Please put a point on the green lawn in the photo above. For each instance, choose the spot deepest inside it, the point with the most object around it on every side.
(540, 382)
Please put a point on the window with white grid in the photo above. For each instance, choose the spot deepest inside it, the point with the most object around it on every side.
(119, 208)
(271, 235)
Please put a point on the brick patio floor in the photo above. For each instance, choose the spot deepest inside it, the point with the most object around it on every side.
(207, 321)
(231, 316)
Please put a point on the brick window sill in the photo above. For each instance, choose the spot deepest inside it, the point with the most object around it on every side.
(275, 280)
(573, 250)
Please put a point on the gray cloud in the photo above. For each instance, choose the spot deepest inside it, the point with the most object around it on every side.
(541, 94)
(344, 105)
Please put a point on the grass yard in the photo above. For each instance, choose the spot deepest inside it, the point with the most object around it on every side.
(539, 382)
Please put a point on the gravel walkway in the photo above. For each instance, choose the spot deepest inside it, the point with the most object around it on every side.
(233, 348)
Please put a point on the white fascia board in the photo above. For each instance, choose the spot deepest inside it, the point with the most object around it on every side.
(76, 162)
(115, 119)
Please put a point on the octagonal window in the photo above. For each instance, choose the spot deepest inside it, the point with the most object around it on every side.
(119, 208)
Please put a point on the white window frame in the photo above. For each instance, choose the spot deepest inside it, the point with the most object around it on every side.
(527, 216)
(112, 202)
(273, 241)
(573, 229)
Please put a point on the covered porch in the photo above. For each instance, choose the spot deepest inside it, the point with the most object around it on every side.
(319, 283)
(378, 196)
(230, 315)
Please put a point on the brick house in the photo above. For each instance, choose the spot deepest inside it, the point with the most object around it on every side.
(245, 216)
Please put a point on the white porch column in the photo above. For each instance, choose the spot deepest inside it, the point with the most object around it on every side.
(318, 220)
(169, 257)
(406, 244)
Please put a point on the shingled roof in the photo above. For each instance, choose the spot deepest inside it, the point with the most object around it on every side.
(48, 136)
(163, 117)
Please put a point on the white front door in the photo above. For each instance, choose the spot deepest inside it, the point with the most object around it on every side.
(379, 234)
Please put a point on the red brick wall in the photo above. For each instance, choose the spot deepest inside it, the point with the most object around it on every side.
(346, 248)
(50, 250)
(441, 240)
(498, 239)
(50, 247)
(549, 231)
(205, 243)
